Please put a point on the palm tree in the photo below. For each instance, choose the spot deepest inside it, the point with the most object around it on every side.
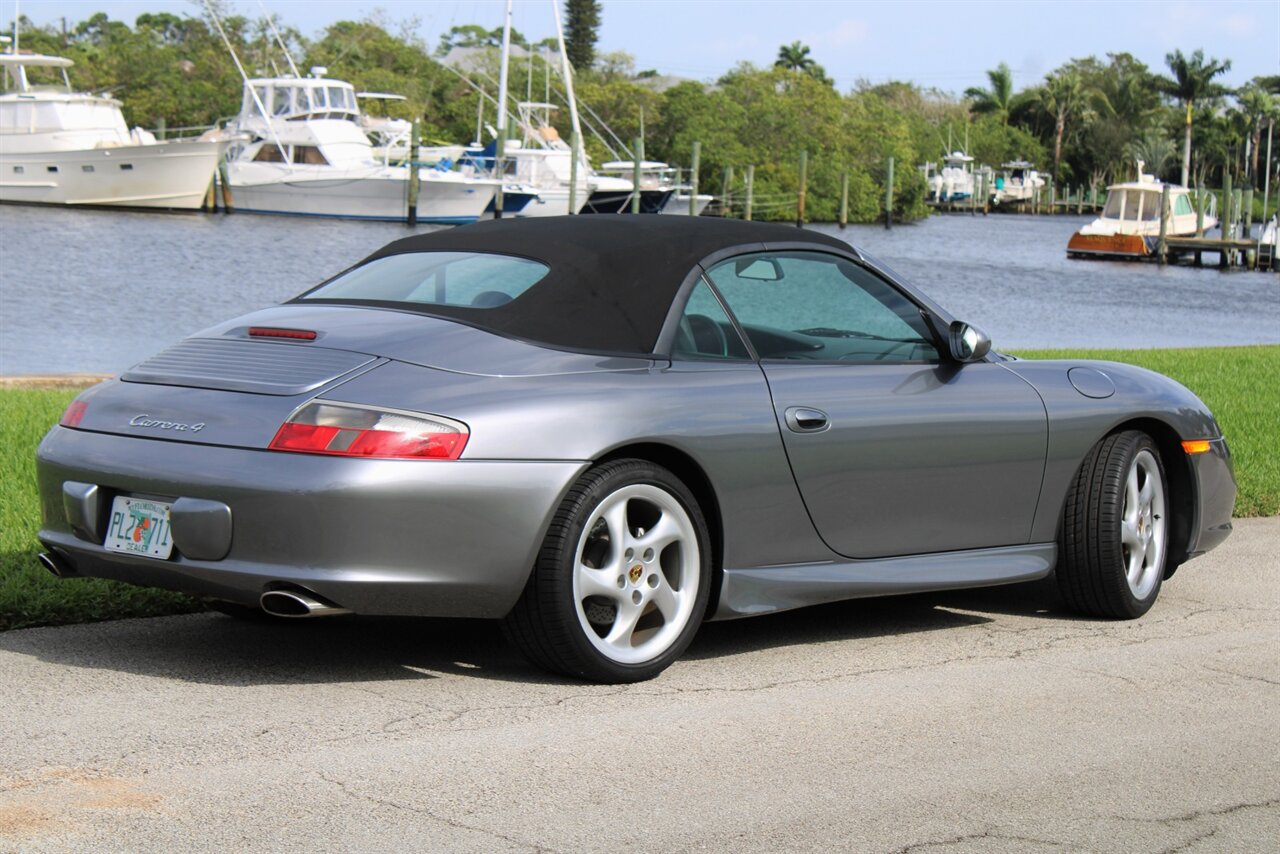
(1261, 107)
(1154, 149)
(1061, 96)
(999, 99)
(794, 56)
(1192, 81)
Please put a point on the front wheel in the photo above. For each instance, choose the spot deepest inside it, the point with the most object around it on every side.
(622, 579)
(1115, 529)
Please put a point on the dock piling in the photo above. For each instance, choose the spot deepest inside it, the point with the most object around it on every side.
(1162, 248)
(415, 179)
(575, 152)
(804, 181)
(727, 192)
(693, 178)
(635, 175)
(225, 183)
(844, 198)
(888, 194)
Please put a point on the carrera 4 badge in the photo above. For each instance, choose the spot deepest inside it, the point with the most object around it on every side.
(157, 424)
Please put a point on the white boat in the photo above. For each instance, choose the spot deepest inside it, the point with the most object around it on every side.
(307, 154)
(1018, 183)
(1130, 222)
(60, 147)
(543, 161)
(660, 187)
(955, 181)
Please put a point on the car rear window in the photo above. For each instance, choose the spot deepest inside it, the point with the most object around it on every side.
(470, 279)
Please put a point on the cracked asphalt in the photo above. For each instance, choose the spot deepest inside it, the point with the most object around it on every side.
(984, 721)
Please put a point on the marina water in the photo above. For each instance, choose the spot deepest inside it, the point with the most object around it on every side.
(97, 291)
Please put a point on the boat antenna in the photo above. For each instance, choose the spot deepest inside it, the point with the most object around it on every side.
(17, 16)
(245, 77)
(272, 23)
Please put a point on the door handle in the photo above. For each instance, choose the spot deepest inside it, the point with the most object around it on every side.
(802, 419)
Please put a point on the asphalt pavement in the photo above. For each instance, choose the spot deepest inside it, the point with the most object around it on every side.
(984, 721)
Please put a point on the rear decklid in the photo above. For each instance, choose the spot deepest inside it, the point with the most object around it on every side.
(236, 383)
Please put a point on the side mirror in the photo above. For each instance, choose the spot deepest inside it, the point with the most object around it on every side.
(968, 343)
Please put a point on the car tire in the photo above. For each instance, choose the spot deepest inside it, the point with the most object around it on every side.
(1114, 541)
(622, 579)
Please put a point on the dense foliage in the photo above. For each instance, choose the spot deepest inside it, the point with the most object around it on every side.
(1086, 122)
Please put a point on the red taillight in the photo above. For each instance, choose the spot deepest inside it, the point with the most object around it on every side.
(74, 414)
(344, 429)
(276, 332)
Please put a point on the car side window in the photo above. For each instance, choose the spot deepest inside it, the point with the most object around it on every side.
(806, 305)
(705, 331)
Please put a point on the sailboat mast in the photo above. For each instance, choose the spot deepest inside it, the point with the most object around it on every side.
(566, 71)
(501, 159)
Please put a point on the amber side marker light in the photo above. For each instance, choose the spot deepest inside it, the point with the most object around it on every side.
(1196, 446)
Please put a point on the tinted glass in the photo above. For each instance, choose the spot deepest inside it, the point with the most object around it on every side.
(705, 331)
(471, 279)
(799, 305)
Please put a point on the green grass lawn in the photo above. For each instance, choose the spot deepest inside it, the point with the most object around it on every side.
(1238, 384)
(29, 596)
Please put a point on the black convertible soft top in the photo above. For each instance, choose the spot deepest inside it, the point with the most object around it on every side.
(612, 277)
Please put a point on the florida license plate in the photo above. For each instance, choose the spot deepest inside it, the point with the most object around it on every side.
(140, 527)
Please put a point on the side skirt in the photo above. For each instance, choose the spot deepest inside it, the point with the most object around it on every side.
(765, 590)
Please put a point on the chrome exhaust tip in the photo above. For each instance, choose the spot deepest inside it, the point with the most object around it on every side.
(296, 604)
(57, 566)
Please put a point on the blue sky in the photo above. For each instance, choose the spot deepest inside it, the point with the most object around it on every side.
(935, 43)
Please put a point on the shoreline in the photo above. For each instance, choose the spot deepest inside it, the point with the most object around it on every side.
(72, 380)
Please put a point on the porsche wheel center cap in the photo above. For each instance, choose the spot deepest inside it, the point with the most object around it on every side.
(635, 573)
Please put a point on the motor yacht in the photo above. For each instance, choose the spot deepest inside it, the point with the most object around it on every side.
(305, 152)
(954, 182)
(1017, 184)
(62, 147)
(1130, 222)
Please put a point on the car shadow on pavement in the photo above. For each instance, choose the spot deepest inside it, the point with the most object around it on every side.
(211, 648)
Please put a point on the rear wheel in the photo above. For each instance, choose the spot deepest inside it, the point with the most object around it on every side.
(1115, 530)
(622, 579)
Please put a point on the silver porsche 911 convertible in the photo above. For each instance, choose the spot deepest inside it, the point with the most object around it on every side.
(604, 430)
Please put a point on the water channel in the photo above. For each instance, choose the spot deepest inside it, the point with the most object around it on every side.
(97, 291)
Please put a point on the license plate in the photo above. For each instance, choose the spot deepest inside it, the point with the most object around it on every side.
(139, 527)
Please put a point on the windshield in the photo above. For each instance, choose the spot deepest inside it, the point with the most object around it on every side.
(470, 279)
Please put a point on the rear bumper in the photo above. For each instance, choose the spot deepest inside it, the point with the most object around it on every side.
(389, 537)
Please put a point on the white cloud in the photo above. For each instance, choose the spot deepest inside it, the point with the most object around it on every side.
(848, 32)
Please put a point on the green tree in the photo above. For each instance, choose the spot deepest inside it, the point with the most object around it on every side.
(999, 100)
(582, 21)
(1192, 81)
(794, 57)
(1061, 97)
(473, 35)
(1260, 107)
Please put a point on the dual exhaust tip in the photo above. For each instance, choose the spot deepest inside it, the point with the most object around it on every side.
(293, 604)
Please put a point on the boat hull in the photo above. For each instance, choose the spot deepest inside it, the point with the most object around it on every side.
(1114, 245)
(382, 195)
(165, 176)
